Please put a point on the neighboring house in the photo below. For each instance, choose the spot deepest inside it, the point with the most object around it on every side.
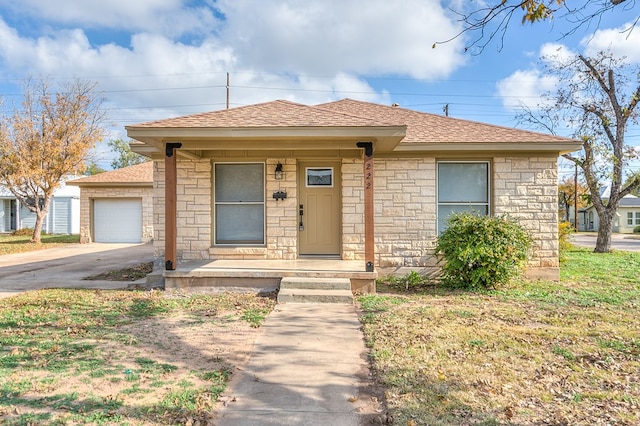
(63, 216)
(345, 180)
(117, 206)
(626, 219)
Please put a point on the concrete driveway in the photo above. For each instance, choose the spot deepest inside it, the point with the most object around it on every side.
(67, 266)
(618, 241)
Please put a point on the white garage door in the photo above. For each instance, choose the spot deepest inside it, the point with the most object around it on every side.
(117, 221)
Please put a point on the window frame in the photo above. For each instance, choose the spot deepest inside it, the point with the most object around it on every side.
(487, 205)
(306, 177)
(263, 203)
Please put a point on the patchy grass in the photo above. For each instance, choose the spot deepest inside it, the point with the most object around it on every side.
(533, 353)
(10, 244)
(119, 357)
(132, 273)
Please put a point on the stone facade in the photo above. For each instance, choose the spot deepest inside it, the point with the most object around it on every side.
(527, 188)
(405, 210)
(88, 194)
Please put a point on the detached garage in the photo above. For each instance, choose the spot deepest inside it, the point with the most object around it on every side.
(116, 206)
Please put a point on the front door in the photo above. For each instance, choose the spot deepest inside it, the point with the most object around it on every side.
(319, 224)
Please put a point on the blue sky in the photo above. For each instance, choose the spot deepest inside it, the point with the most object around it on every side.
(155, 59)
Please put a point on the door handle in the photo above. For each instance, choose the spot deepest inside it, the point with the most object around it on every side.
(301, 227)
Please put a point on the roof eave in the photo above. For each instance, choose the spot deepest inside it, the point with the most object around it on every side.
(385, 138)
(111, 184)
(549, 147)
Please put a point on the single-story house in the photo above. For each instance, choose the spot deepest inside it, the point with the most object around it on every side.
(345, 180)
(626, 219)
(117, 206)
(63, 216)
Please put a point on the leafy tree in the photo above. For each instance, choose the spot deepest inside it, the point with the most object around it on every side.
(92, 168)
(596, 98)
(636, 191)
(126, 157)
(48, 137)
(567, 196)
(493, 18)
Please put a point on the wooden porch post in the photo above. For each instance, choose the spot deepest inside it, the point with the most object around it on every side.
(369, 244)
(170, 223)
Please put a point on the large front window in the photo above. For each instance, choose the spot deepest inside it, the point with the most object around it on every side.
(239, 203)
(462, 187)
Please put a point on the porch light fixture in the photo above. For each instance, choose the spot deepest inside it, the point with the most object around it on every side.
(279, 172)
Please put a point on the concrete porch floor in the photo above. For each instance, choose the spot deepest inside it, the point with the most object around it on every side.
(265, 275)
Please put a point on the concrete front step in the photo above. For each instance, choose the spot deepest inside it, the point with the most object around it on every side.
(314, 296)
(315, 290)
(315, 283)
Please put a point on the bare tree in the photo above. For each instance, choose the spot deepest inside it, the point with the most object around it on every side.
(47, 138)
(597, 99)
(493, 19)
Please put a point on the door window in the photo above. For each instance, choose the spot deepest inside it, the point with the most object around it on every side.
(319, 177)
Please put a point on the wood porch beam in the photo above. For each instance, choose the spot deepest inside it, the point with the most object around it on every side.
(170, 202)
(369, 243)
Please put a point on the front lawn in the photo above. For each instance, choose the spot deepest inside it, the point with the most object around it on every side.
(10, 244)
(534, 353)
(100, 357)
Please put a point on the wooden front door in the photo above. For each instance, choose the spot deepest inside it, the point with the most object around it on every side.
(319, 220)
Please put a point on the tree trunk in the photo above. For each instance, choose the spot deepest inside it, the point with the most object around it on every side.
(603, 242)
(37, 227)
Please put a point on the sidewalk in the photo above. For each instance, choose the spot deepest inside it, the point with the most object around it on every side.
(306, 369)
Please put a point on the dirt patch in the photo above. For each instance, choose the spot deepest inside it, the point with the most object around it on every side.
(132, 273)
(132, 357)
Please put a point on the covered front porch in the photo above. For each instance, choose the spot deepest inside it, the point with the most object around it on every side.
(268, 275)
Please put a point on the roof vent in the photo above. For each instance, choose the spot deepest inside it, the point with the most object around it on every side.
(395, 104)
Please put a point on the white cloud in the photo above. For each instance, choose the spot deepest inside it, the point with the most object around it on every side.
(169, 17)
(619, 41)
(374, 37)
(524, 88)
(163, 58)
(556, 52)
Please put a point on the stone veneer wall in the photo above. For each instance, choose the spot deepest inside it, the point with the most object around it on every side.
(352, 210)
(405, 210)
(87, 194)
(527, 189)
(195, 214)
(282, 215)
(406, 204)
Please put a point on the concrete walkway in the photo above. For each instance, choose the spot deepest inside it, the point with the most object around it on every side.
(306, 369)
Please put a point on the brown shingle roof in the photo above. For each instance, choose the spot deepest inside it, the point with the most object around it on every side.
(138, 175)
(269, 114)
(428, 128)
(413, 130)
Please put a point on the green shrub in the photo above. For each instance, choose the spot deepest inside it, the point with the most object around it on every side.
(481, 251)
(636, 230)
